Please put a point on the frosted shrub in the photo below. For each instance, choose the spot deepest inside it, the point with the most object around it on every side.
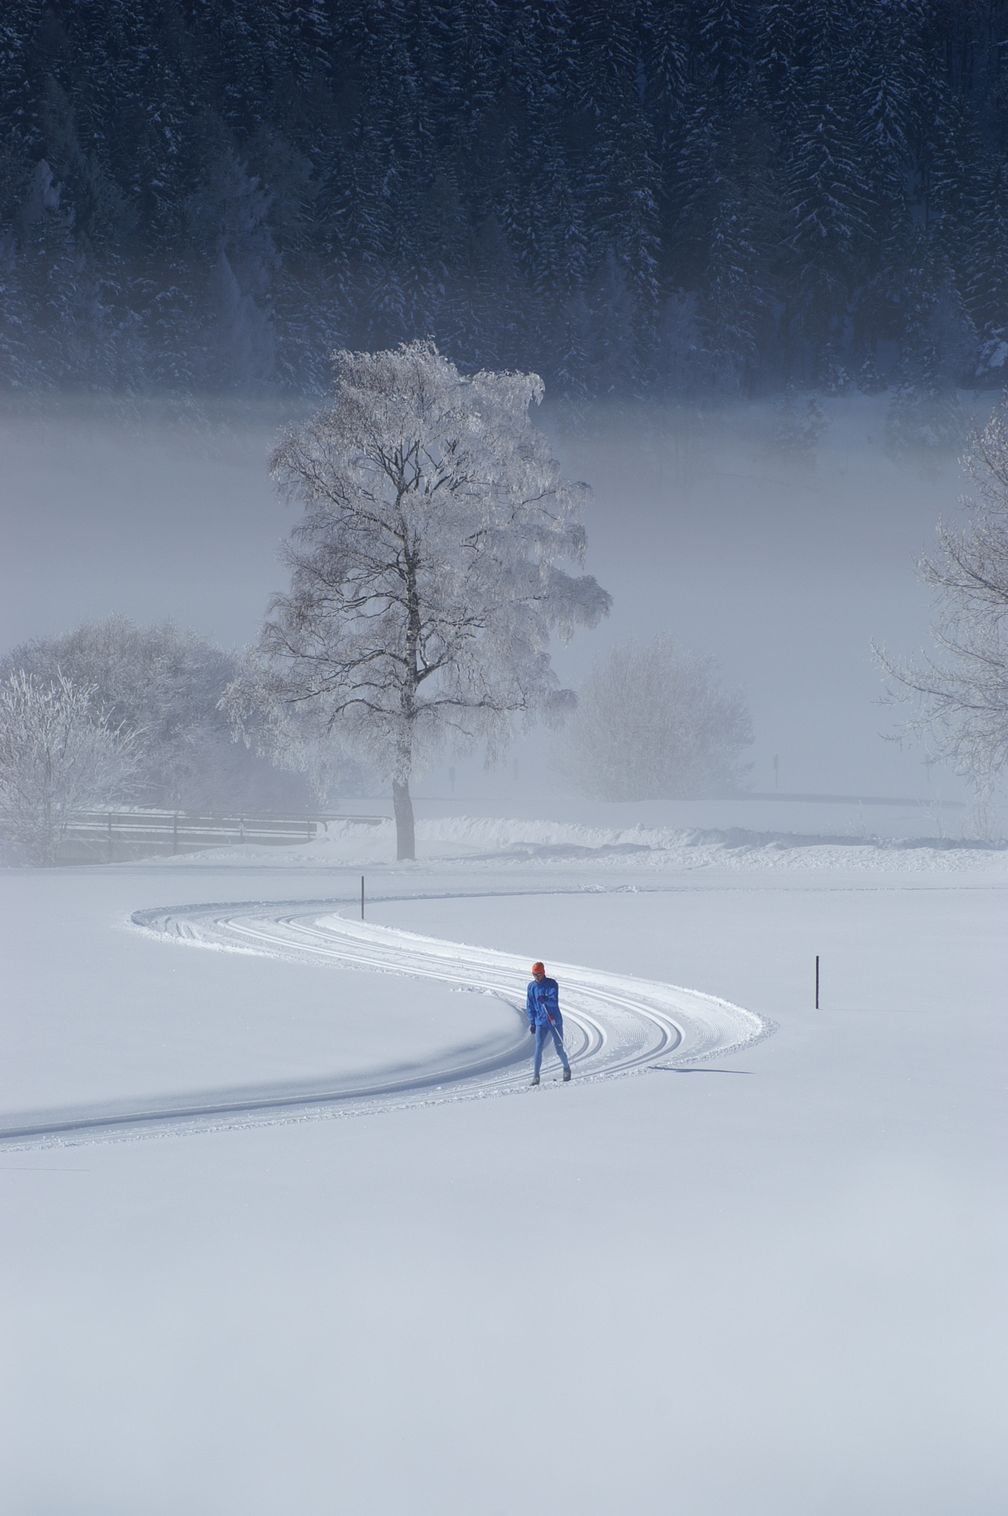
(58, 755)
(165, 684)
(652, 723)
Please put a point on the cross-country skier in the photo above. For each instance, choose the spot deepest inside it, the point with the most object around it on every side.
(543, 1005)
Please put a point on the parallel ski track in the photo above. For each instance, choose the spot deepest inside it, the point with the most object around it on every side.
(613, 1025)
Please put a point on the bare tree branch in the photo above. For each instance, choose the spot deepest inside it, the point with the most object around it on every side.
(959, 707)
(425, 577)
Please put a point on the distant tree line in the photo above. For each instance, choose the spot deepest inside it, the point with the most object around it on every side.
(627, 196)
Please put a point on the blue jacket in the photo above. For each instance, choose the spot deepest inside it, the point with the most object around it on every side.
(543, 1003)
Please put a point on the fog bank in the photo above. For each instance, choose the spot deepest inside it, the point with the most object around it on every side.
(785, 562)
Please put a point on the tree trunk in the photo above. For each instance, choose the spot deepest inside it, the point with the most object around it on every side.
(403, 804)
(403, 807)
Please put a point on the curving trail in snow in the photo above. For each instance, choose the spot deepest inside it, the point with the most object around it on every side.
(613, 1024)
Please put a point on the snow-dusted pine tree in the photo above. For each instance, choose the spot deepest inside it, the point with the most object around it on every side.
(798, 426)
(925, 414)
(826, 200)
(230, 219)
(425, 573)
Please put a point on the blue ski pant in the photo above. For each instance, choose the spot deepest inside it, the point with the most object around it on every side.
(543, 1030)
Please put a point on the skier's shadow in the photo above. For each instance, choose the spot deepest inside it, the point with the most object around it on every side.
(670, 1068)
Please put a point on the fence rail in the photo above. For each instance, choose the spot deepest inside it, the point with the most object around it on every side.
(128, 833)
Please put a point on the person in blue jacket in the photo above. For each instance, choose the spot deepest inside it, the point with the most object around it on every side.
(543, 1005)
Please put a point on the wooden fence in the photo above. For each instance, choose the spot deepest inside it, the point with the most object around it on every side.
(120, 835)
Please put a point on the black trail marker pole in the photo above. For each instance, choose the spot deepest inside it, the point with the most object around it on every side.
(362, 899)
(817, 981)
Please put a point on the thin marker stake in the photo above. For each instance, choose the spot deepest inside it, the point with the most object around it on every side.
(817, 981)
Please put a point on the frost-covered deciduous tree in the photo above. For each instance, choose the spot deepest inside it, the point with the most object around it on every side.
(59, 753)
(655, 722)
(287, 735)
(426, 575)
(165, 684)
(960, 695)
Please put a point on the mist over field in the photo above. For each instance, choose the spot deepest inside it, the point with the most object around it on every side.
(785, 565)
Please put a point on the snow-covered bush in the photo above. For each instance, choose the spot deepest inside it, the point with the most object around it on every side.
(166, 684)
(60, 753)
(655, 722)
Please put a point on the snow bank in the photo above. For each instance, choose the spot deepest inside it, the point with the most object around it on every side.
(503, 841)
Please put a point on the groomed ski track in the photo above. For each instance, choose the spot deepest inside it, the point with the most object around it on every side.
(614, 1025)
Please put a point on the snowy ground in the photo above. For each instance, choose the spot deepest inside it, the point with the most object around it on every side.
(770, 1282)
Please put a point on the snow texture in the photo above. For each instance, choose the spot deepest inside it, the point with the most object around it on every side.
(792, 1252)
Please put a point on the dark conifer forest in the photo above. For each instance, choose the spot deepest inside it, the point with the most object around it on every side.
(633, 197)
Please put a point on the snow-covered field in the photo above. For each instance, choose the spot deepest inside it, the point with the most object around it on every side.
(306, 1243)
